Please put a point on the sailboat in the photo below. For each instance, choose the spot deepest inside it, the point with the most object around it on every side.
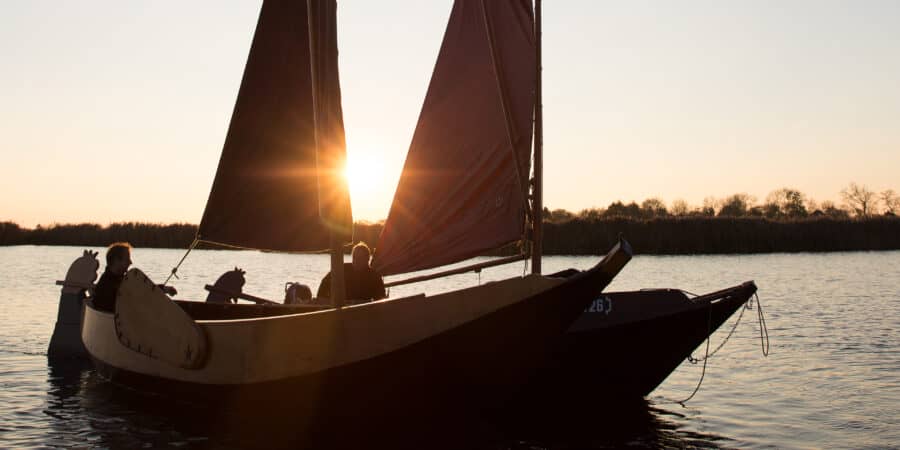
(458, 162)
(627, 343)
(279, 187)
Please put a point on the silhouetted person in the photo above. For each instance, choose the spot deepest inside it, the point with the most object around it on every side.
(118, 259)
(362, 282)
(297, 293)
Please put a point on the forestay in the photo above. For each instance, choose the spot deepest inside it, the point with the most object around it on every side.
(464, 185)
(279, 184)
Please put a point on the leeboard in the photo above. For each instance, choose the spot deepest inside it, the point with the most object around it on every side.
(149, 322)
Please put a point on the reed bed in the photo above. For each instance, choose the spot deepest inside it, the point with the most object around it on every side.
(672, 235)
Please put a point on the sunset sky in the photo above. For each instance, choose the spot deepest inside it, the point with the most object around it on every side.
(117, 111)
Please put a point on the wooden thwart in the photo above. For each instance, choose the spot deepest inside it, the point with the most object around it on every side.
(208, 287)
(75, 284)
(239, 295)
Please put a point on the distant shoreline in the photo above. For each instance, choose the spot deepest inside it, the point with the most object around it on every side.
(680, 235)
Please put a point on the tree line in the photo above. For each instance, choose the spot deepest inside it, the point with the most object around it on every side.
(787, 221)
(782, 204)
(578, 235)
(178, 235)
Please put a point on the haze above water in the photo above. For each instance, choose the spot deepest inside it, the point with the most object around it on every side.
(832, 378)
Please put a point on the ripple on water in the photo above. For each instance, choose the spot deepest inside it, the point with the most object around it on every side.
(832, 378)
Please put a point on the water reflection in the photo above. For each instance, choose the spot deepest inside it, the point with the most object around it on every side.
(63, 405)
(638, 424)
(64, 379)
(84, 409)
(819, 306)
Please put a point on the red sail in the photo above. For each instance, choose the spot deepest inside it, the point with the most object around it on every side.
(275, 188)
(463, 187)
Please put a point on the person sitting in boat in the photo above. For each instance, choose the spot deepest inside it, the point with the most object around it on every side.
(118, 259)
(362, 283)
(297, 293)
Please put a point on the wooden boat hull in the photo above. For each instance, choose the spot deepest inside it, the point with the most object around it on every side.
(466, 347)
(626, 343)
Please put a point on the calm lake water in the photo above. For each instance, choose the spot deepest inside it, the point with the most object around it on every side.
(832, 378)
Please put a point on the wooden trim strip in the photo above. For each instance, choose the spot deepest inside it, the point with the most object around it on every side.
(470, 268)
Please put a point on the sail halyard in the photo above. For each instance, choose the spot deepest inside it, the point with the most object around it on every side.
(463, 189)
(278, 185)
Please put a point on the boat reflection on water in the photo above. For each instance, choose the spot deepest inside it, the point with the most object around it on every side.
(633, 424)
(64, 379)
(86, 410)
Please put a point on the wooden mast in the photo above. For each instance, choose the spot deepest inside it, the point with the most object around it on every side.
(537, 201)
(338, 288)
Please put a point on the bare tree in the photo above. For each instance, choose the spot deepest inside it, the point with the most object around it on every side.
(786, 201)
(891, 202)
(680, 208)
(736, 205)
(710, 205)
(619, 209)
(811, 205)
(831, 210)
(654, 207)
(859, 199)
(591, 214)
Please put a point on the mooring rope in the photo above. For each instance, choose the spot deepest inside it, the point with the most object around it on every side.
(763, 340)
(705, 358)
(175, 269)
(708, 355)
(763, 328)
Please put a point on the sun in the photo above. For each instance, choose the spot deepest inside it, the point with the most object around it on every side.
(363, 173)
(365, 176)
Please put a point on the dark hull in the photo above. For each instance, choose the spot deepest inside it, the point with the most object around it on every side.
(479, 363)
(625, 352)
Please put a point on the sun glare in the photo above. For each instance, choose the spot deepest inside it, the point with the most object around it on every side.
(365, 176)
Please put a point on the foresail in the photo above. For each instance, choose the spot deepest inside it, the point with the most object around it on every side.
(463, 188)
(278, 185)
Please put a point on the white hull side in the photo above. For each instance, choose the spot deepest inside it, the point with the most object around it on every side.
(259, 350)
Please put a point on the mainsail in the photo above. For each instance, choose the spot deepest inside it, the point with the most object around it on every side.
(279, 184)
(463, 189)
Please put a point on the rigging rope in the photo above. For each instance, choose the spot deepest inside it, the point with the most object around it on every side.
(175, 269)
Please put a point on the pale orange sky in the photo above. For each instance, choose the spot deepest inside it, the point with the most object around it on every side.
(117, 111)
